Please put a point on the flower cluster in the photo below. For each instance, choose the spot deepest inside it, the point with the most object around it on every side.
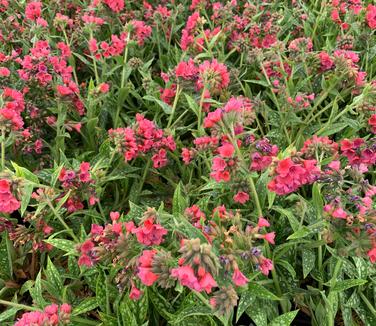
(79, 183)
(290, 175)
(143, 138)
(197, 266)
(10, 113)
(8, 203)
(50, 316)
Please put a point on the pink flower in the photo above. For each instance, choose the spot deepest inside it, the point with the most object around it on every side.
(114, 216)
(371, 16)
(262, 222)
(212, 118)
(145, 272)
(51, 315)
(372, 123)
(150, 233)
(4, 72)
(104, 87)
(186, 276)
(241, 197)
(87, 246)
(339, 213)
(239, 278)
(84, 174)
(326, 62)
(85, 260)
(115, 5)
(33, 10)
(186, 70)
(8, 203)
(269, 237)
(289, 176)
(207, 282)
(226, 150)
(265, 266)
(66, 308)
(135, 293)
(372, 255)
(335, 165)
(213, 76)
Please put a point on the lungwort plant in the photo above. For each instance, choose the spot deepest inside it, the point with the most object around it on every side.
(187, 162)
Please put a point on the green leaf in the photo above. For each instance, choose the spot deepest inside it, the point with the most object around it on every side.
(261, 187)
(101, 291)
(257, 313)
(73, 268)
(53, 276)
(5, 259)
(288, 267)
(179, 203)
(347, 284)
(127, 312)
(290, 216)
(189, 312)
(271, 197)
(36, 292)
(162, 306)
(135, 212)
(246, 299)
(309, 259)
(192, 104)
(25, 173)
(62, 244)
(303, 232)
(27, 191)
(86, 305)
(261, 292)
(334, 128)
(317, 198)
(165, 107)
(8, 313)
(285, 319)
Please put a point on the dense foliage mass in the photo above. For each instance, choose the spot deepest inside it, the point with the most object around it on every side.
(187, 162)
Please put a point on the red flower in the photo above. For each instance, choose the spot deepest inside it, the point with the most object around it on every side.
(145, 273)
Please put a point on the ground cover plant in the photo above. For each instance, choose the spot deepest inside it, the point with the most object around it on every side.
(187, 162)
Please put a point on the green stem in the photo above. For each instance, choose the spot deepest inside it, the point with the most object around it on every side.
(2, 148)
(177, 94)
(199, 122)
(276, 103)
(122, 84)
(368, 304)
(260, 214)
(95, 63)
(255, 196)
(319, 262)
(17, 305)
(144, 175)
(70, 231)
